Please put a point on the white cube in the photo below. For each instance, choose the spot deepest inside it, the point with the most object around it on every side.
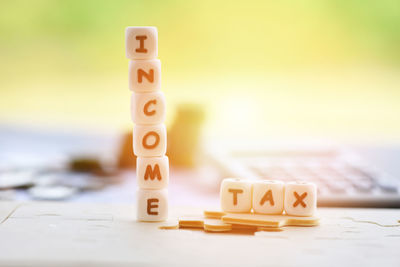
(268, 197)
(148, 108)
(144, 75)
(300, 198)
(152, 205)
(149, 140)
(141, 42)
(235, 195)
(152, 173)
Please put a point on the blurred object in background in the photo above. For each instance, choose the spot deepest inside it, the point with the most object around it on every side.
(52, 193)
(126, 158)
(304, 68)
(343, 177)
(16, 178)
(7, 195)
(93, 165)
(184, 135)
(85, 164)
(183, 139)
(47, 165)
(80, 174)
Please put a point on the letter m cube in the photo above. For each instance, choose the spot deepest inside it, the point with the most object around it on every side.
(152, 172)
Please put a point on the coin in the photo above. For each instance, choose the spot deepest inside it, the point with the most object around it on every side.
(52, 192)
(16, 179)
(83, 182)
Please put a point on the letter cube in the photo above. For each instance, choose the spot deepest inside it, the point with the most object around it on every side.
(268, 197)
(145, 75)
(235, 195)
(149, 140)
(152, 173)
(141, 42)
(152, 205)
(148, 108)
(300, 198)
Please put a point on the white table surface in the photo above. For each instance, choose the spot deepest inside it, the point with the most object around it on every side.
(76, 234)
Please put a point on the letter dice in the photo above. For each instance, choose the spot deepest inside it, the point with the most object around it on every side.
(141, 42)
(268, 197)
(300, 198)
(152, 205)
(148, 108)
(152, 173)
(145, 75)
(235, 195)
(149, 140)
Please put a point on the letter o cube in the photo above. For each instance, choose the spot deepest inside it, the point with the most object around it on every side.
(152, 205)
(149, 140)
(235, 195)
(300, 198)
(152, 173)
(268, 197)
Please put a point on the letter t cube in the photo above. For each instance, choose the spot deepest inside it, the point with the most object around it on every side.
(236, 195)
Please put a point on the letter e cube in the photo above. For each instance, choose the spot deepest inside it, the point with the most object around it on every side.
(152, 205)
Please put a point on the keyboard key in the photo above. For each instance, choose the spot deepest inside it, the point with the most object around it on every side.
(335, 178)
(363, 186)
(339, 187)
(388, 185)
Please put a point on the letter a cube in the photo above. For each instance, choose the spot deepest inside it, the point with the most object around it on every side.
(268, 197)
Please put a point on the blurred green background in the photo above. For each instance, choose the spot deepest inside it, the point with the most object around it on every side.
(309, 68)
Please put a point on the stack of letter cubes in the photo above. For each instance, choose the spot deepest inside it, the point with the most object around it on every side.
(148, 114)
(268, 197)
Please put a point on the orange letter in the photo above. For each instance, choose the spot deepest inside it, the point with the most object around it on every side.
(150, 206)
(149, 76)
(235, 192)
(267, 197)
(141, 39)
(152, 173)
(146, 108)
(299, 199)
(144, 141)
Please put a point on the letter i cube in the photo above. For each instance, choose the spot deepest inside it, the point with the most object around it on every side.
(148, 114)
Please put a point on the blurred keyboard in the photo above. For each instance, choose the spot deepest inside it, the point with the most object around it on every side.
(343, 180)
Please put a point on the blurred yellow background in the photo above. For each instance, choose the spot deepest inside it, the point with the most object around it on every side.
(307, 68)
